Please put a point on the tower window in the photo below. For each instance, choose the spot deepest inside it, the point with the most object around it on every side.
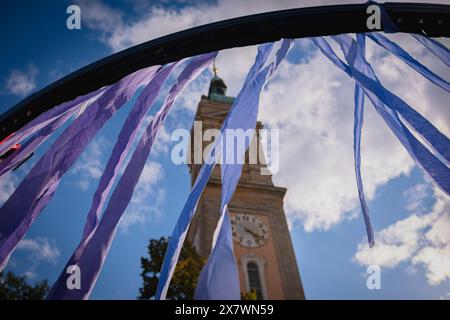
(254, 279)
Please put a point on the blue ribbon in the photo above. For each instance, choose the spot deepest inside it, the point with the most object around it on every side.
(219, 278)
(410, 61)
(436, 169)
(364, 74)
(437, 48)
(184, 220)
(357, 128)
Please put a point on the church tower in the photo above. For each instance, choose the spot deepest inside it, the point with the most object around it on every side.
(262, 244)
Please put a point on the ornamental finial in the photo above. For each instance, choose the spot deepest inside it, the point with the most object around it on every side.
(215, 68)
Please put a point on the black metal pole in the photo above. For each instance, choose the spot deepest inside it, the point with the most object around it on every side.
(238, 32)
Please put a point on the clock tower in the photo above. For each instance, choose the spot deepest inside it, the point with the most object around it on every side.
(262, 244)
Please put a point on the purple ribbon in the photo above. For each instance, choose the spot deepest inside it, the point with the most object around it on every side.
(36, 190)
(46, 119)
(123, 144)
(92, 251)
(27, 149)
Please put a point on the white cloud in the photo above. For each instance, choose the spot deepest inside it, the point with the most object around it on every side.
(8, 183)
(436, 262)
(151, 174)
(157, 20)
(20, 82)
(394, 244)
(415, 196)
(188, 100)
(312, 104)
(40, 249)
(96, 15)
(146, 197)
(418, 240)
(30, 274)
(160, 146)
(89, 167)
(435, 257)
(10, 180)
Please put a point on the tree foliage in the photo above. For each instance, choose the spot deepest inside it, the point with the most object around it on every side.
(186, 273)
(13, 287)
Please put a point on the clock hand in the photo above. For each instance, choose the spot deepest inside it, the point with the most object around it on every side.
(252, 232)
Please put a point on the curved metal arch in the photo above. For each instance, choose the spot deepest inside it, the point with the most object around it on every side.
(238, 32)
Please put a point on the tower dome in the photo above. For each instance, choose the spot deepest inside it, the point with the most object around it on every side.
(218, 89)
(217, 85)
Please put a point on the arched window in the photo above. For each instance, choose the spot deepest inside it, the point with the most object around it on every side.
(254, 279)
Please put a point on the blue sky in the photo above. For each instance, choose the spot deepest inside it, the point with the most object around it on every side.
(308, 99)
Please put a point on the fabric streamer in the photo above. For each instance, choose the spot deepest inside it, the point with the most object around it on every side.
(411, 144)
(437, 48)
(399, 52)
(46, 119)
(238, 109)
(421, 125)
(123, 144)
(219, 278)
(437, 171)
(36, 190)
(92, 251)
(357, 129)
(25, 150)
(179, 233)
(359, 66)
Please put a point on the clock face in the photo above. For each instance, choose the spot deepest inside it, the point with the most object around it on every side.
(248, 230)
